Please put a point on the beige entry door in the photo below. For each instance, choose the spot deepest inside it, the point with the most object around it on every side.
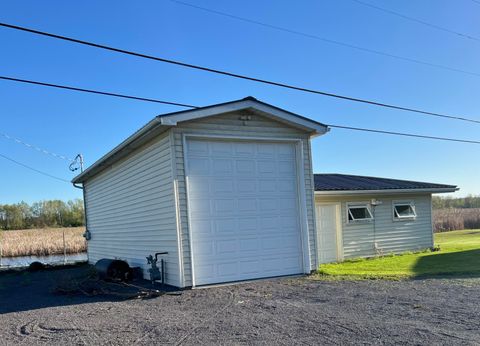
(329, 233)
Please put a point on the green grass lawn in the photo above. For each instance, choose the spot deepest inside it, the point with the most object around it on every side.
(459, 255)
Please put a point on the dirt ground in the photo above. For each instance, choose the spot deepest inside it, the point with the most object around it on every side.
(277, 311)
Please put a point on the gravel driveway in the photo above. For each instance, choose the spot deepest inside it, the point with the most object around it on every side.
(277, 311)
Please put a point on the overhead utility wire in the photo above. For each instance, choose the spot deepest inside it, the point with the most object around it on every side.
(404, 134)
(221, 72)
(418, 21)
(33, 169)
(34, 147)
(13, 79)
(324, 39)
(106, 93)
(330, 125)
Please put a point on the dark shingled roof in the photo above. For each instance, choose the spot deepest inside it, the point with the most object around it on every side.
(345, 182)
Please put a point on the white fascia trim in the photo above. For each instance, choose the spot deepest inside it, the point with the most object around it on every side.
(383, 192)
(294, 120)
(118, 150)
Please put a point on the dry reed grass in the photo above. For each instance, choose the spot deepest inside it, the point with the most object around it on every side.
(42, 242)
(456, 219)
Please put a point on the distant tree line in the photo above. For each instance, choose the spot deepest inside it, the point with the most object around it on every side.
(459, 203)
(54, 213)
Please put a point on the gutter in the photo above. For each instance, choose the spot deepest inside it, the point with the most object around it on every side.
(103, 161)
(385, 192)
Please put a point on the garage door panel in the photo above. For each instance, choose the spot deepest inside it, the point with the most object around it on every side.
(287, 222)
(249, 245)
(266, 168)
(200, 207)
(221, 148)
(266, 149)
(286, 186)
(269, 223)
(246, 209)
(268, 185)
(224, 206)
(203, 228)
(249, 267)
(285, 168)
(227, 269)
(273, 265)
(247, 205)
(220, 185)
(244, 149)
(226, 246)
(248, 224)
(198, 148)
(288, 205)
(222, 166)
(204, 247)
(268, 204)
(246, 186)
(199, 166)
(245, 167)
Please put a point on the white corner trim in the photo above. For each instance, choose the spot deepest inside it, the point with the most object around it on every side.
(302, 204)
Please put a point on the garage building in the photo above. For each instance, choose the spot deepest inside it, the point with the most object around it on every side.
(228, 191)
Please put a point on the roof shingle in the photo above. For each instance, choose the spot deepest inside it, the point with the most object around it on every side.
(345, 182)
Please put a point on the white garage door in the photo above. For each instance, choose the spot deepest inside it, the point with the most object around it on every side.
(243, 205)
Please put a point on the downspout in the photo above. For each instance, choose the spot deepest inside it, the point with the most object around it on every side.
(86, 234)
(374, 203)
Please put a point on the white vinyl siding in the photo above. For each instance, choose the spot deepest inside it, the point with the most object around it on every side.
(131, 209)
(391, 236)
(229, 125)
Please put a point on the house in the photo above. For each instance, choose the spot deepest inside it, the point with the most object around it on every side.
(227, 190)
(359, 216)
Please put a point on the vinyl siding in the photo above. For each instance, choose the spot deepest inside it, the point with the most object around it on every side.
(131, 209)
(391, 236)
(230, 125)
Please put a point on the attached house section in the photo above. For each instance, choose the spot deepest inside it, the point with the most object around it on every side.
(365, 216)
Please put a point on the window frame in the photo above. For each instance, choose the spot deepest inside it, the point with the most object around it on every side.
(366, 205)
(410, 203)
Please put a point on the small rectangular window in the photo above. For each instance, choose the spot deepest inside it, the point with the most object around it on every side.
(359, 212)
(404, 210)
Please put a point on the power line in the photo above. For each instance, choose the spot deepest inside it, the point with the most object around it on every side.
(34, 147)
(418, 21)
(324, 39)
(405, 134)
(33, 169)
(225, 73)
(330, 125)
(106, 93)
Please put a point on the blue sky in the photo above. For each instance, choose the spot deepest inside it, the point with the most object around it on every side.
(69, 123)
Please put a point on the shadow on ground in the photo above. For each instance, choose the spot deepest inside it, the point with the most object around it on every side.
(459, 264)
(24, 290)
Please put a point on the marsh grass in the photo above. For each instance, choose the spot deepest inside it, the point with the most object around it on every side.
(42, 242)
(456, 218)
